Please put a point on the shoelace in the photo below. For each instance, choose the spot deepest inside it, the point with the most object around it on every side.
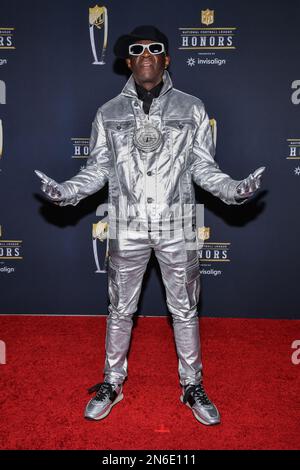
(198, 393)
(103, 390)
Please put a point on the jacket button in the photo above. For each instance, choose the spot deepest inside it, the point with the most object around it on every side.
(135, 103)
(149, 200)
(149, 173)
(180, 126)
(119, 127)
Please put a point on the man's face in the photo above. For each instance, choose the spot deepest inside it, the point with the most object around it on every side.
(147, 67)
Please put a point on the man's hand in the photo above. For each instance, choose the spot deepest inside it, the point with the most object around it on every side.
(249, 185)
(53, 190)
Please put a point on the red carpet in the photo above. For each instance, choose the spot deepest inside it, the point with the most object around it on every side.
(51, 361)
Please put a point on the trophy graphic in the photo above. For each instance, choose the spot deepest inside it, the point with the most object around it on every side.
(98, 19)
(213, 125)
(100, 232)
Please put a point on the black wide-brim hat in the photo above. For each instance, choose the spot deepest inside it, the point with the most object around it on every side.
(140, 32)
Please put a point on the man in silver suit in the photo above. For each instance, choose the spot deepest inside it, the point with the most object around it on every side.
(150, 143)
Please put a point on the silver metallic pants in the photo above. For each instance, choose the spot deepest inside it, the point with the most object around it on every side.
(181, 277)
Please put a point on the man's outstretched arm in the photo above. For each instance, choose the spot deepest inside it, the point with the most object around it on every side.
(207, 174)
(90, 179)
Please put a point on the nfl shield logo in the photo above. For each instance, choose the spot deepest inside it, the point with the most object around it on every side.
(207, 16)
(96, 16)
(203, 233)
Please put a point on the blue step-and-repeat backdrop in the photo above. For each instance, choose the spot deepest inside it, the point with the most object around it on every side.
(56, 68)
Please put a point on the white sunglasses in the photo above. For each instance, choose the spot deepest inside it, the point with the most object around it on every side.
(154, 48)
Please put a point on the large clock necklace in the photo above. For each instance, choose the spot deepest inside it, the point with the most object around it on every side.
(147, 137)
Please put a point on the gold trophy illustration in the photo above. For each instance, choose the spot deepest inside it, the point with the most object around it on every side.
(213, 125)
(100, 232)
(98, 20)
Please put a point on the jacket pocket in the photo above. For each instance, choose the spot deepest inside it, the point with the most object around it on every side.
(121, 136)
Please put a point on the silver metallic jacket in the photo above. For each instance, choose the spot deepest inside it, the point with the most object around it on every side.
(142, 185)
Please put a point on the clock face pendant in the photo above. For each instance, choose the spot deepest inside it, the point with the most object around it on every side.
(147, 138)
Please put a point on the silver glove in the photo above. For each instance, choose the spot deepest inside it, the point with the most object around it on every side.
(53, 190)
(249, 185)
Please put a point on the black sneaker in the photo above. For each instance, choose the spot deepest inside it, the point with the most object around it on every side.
(194, 396)
(106, 397)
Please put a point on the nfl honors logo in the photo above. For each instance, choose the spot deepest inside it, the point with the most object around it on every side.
(213, 252)
(206, 40)
(207, 16)
(7, 38)
(80, 147)
(10, 249)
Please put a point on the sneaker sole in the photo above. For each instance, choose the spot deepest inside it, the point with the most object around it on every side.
(97, 418)
(201, 420)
